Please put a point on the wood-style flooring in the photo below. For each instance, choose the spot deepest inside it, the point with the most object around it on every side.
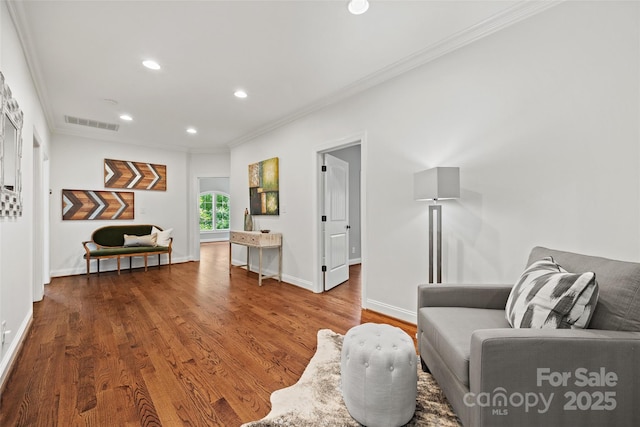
(188, 345)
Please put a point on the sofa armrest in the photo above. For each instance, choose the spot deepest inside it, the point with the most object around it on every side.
(564, 376)
(458, 295)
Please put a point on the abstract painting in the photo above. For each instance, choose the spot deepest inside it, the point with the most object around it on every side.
(264, 187)
(93, 205)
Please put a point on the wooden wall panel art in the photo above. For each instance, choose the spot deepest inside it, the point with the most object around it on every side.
(95, 205)
(134, 175)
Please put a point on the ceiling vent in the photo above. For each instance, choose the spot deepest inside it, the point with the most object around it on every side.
(91, 123)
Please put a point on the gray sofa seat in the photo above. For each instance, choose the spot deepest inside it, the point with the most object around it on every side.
(467, 344)
(451, 329)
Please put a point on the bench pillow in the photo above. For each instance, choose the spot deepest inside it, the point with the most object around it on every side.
(547, 296)
(148, 240)
(164, 237)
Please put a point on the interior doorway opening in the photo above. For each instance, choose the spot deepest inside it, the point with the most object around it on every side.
(351, 150)
(213, 209)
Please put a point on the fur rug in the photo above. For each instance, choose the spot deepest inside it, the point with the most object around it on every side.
(316, 399)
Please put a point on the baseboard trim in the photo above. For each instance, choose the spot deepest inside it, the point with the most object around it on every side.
(12, 353)
(392, 311)
(292, 280)
(355, 261)
(105, 266)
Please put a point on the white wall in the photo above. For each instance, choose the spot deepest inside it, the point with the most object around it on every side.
(16, 234)
(78, 164)
(541, 118)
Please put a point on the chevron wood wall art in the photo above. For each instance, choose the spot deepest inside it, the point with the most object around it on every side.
(134, 175)
(94, 205)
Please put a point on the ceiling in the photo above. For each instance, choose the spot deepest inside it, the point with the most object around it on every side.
(291, 57)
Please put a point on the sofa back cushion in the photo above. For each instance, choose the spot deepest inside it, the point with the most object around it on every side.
(113, 235)
(618, 307)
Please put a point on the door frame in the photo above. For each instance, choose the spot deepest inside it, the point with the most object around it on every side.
(359, 138)
(40, 229)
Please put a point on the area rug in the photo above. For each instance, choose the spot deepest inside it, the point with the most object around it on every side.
(316, 399)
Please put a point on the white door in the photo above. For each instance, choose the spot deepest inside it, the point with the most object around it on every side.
(336, 221)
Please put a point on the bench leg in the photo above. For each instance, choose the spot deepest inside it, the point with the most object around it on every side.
(145, 262)
(158, 260)
(118, 266)
(98, 260)
(88, 266)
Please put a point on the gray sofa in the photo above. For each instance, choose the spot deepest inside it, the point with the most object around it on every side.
(496, 375)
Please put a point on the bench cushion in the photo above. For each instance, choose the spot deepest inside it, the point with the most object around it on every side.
(105, 252)
(449, 329)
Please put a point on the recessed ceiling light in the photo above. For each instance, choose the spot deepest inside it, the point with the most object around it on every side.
(358, 7)
(126, 117)
(150, 64)
(240, 93)
(192, 131)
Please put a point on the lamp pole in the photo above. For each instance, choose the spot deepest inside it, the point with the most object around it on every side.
(435, 210)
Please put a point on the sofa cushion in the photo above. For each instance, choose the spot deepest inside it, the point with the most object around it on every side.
(547, 296)
(618, 307)
(449, 329)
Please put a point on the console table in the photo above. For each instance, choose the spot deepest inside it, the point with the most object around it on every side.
(259, 240)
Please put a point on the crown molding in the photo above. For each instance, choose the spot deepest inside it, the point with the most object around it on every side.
(491, 25)
(95, 136)
(495, 23)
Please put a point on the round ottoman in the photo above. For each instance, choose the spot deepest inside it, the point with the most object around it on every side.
(379, 375)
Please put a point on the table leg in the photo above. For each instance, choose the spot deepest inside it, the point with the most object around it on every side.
(260, 269)
(280, 263)
(229, 258)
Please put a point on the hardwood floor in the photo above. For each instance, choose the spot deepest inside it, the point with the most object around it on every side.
(186, 345)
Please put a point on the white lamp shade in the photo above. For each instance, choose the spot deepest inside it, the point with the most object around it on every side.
(437, 184)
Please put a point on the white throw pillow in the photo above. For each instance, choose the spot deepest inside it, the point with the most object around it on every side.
(547, 296)
(164, 236)
(148, 240)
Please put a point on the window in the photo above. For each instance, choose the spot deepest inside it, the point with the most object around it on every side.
(214, 211)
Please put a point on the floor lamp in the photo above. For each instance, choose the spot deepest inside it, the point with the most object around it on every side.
(436, 184)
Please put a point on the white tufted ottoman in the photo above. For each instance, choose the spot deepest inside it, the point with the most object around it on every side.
(379, 375)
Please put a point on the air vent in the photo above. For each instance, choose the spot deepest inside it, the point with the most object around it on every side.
(91, 123)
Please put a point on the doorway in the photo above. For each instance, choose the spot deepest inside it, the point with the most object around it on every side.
(350, 150)
(40, 222)
(213, 206)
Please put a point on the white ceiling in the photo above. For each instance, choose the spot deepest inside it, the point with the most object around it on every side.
(290, 56)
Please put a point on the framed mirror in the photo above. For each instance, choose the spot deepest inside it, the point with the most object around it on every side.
(11, 120)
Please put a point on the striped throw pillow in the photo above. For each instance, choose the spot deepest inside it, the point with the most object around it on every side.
(547, 296)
